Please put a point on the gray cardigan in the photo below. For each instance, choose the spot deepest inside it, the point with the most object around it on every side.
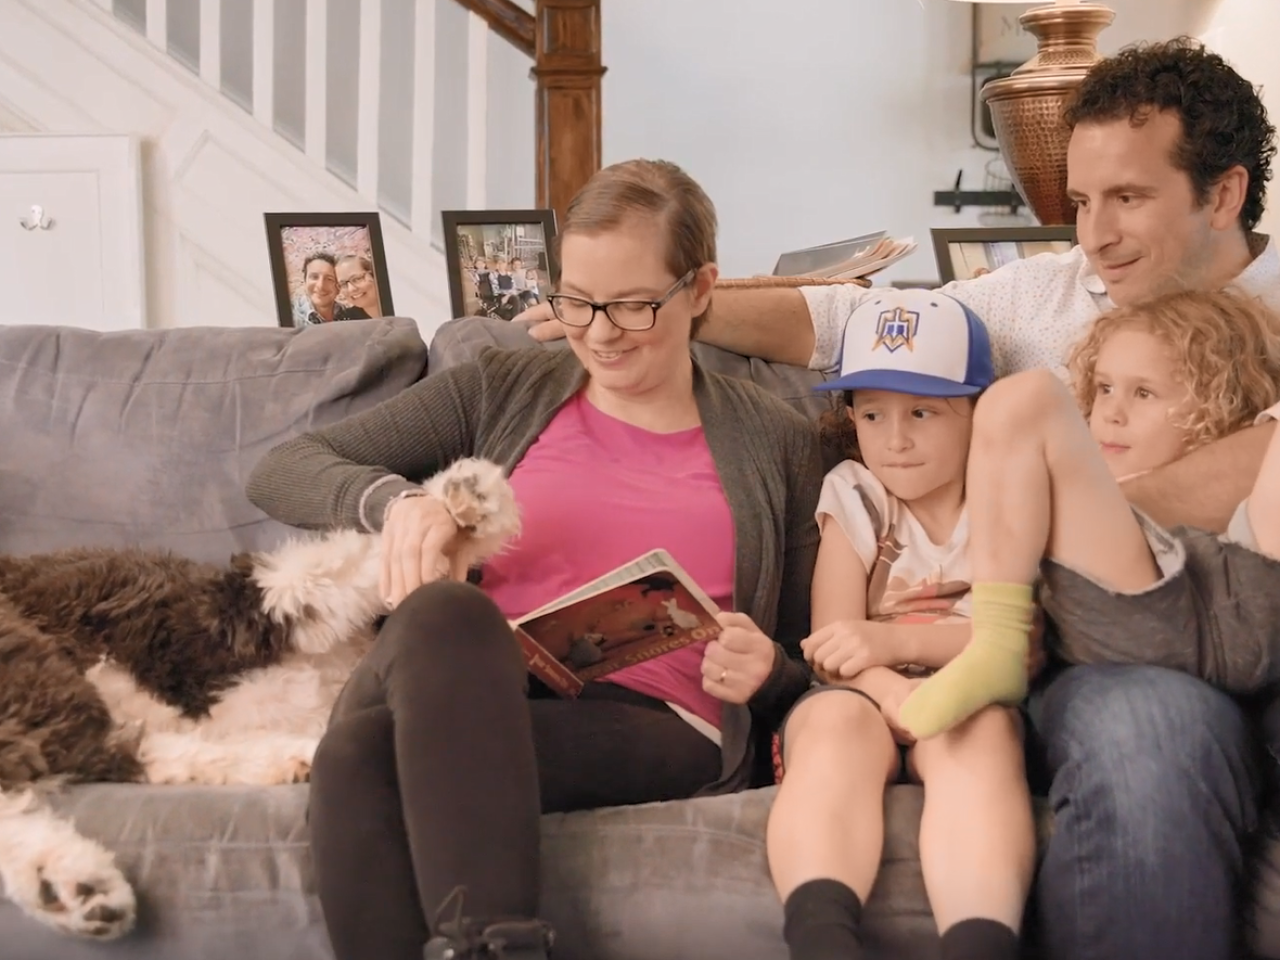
(767, 455)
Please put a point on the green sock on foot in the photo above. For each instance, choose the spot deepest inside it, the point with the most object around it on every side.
(991, 669)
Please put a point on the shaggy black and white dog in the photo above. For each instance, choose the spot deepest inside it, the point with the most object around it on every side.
(133, 666)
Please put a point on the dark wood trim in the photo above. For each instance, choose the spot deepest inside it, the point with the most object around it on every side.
(568, 111)
(508, 21)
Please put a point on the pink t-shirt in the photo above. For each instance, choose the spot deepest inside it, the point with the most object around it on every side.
(595, 493)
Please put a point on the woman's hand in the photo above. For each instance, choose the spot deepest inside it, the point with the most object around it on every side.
(416, 536)
(542, 321)
(845, 648)
(738, 661)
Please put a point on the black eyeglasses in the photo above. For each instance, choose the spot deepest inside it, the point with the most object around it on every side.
(355, 281)
(623, 314)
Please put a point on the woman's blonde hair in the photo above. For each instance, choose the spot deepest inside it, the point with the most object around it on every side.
(1226, 348)
(649, 188)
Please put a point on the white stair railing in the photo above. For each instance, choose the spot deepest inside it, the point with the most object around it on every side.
(395, 97)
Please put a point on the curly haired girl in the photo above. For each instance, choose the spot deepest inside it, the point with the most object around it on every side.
(1155, 380)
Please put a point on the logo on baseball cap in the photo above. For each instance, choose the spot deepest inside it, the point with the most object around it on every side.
(920, 342)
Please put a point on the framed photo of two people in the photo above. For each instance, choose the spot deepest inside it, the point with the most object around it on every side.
(327, 267)
(500, 262)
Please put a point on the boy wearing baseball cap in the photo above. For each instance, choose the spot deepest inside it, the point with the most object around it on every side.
(892, 602)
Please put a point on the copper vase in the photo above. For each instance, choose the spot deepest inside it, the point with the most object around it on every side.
(1026, 106)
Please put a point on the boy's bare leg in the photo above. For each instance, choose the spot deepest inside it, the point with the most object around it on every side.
(826, 827)
(977, 835)
(1264, 501)
(1036, 487)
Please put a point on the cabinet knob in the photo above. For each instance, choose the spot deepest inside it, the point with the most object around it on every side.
(36, 220)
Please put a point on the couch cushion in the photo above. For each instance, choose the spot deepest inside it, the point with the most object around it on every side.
(690, 879)
(226, 872)
(220, 873)
(458, 341)
(146, 437)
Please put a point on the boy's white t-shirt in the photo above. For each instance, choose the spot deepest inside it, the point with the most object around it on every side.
(910, 579)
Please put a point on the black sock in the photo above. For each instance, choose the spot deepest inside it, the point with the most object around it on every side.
(821, 921)
(979, 939)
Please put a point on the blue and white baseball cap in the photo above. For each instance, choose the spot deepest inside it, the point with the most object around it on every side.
(920, 342)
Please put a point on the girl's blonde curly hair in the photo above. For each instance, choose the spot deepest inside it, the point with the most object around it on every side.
(1226, 347)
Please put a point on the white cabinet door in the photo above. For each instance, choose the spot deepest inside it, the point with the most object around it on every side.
(71, 231)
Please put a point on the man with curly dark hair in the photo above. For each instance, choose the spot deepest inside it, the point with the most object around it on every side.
(1154, 779)
(1153, 775)
(1213, 122)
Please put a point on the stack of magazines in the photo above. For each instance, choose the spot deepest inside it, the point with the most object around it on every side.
(846, 259)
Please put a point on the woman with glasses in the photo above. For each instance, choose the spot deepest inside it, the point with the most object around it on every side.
(357, 287)
(441, 754)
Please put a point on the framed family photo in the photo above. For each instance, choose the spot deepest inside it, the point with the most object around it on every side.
(500, 262)
(965, 253)
(327, 267)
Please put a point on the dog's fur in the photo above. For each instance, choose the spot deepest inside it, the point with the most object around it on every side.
(135, 666)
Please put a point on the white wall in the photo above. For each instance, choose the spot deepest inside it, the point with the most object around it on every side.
(807, 121)
(1245, 32)
(816, 120)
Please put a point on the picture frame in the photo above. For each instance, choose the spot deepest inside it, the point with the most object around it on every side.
(328, 266)
(963, 253)
(499, 238)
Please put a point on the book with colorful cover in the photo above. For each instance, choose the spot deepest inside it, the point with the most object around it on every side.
(639, 611)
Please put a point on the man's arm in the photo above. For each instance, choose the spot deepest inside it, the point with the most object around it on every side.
(768, 322)
(1203, 488)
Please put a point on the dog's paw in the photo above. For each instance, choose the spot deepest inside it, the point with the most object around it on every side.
(478, 496)
(262, 760)
(274, 759)
(295, 770)
(76, 889)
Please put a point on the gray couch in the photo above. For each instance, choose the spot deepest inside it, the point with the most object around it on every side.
(147, 438)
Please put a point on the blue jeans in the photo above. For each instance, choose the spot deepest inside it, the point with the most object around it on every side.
(1155, 787)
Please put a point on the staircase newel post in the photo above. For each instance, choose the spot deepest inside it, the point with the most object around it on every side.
(567, 71)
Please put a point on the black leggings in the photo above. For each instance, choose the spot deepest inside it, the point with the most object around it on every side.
(436, 766)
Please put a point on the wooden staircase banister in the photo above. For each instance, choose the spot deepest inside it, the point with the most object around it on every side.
(562, 37)
(568, 72)
(508, 21)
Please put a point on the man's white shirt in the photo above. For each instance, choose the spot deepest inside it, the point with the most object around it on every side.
(1035, 310)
